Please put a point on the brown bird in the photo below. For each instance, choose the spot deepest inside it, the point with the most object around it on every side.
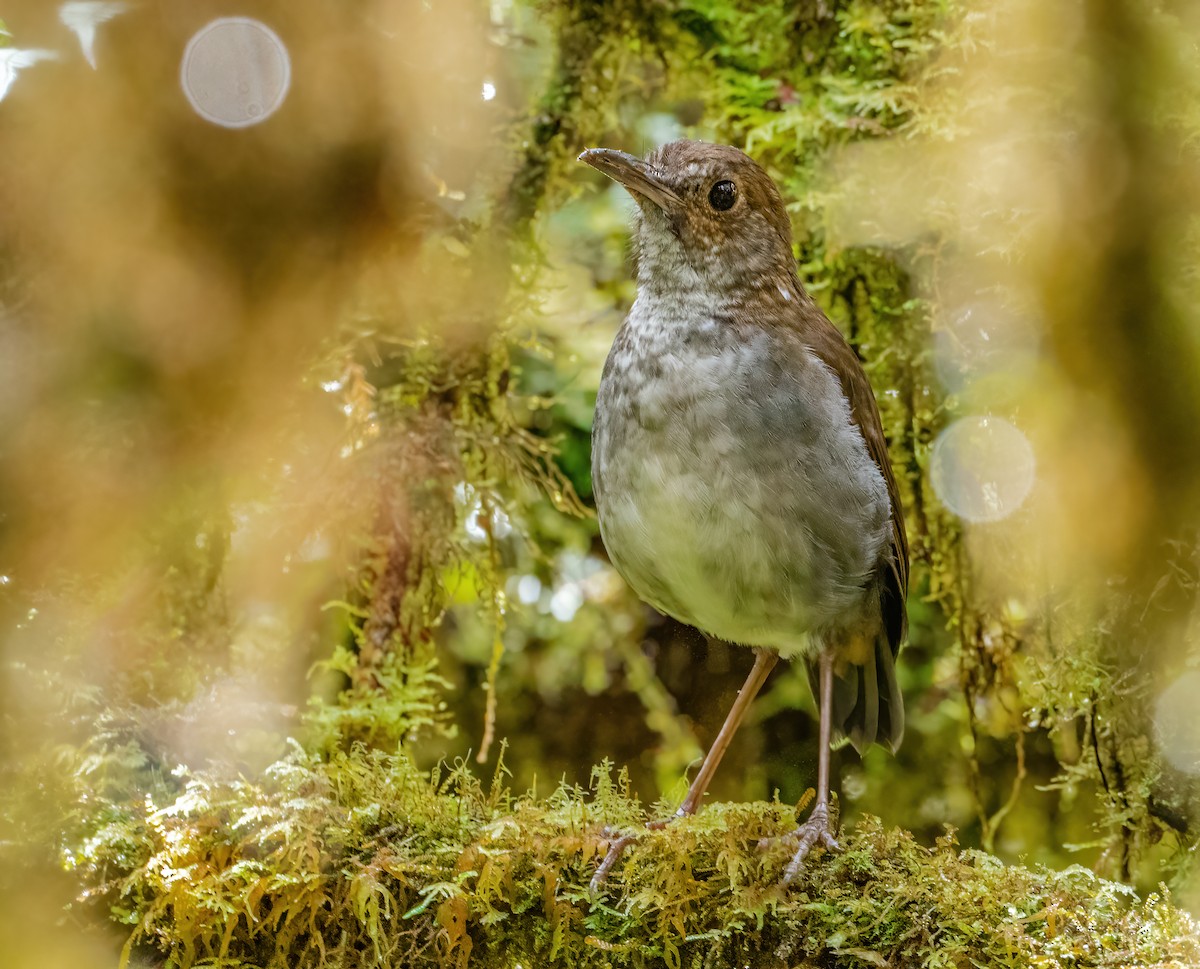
(740, 468)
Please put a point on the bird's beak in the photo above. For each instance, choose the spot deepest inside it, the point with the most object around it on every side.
(637, 177)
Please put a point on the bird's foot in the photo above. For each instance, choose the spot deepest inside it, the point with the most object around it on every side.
(817, 830)
(617, 844)
(616, 847)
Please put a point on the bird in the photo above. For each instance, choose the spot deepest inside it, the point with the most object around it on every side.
(82, 17)
(13, 60)
(739, 462)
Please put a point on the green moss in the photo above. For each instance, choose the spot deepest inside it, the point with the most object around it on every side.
(360, 859)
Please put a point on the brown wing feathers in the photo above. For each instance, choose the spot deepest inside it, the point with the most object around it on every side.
(868, 706)
(828, 344)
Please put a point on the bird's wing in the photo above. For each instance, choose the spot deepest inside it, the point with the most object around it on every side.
(827, 342)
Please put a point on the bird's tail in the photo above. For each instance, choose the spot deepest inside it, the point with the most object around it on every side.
(867, 705)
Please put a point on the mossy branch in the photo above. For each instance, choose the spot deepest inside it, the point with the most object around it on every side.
(360, 859)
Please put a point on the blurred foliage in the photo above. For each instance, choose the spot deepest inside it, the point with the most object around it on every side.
(295, 448)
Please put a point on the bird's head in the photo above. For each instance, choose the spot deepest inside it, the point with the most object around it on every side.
(708, 216)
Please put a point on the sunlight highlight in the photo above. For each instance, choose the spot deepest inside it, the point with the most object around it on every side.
(236, 72)
(982, 468)
(1177, 724)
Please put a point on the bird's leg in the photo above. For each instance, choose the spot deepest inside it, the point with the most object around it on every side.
(764, 662)
(816, 830)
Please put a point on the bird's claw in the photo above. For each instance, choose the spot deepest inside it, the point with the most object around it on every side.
(817, 830)
(616, 847)
(617, 843)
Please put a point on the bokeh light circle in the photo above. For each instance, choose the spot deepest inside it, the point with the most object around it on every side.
(982, 468)
(236, 72)
(1177, 723)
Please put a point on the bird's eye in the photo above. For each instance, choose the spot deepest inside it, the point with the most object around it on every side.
(722, 196)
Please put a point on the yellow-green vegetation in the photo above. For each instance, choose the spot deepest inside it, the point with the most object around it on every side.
(361, 859)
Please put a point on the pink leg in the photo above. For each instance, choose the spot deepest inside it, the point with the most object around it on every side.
(816, 829)
(764, 662)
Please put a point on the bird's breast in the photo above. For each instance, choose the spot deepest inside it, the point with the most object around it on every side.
(733, 491)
